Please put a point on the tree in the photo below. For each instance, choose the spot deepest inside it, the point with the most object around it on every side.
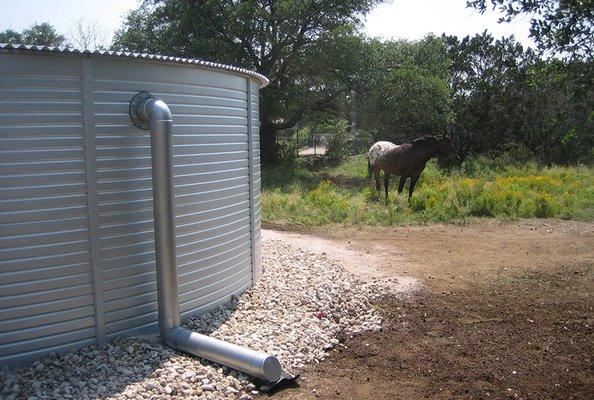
(484, 77)
(413, 104)
(563, 26)
(43, 34)
(11, 36)
(558, 116)
(403, 91)
(274, 37)
(509, 100)
(335, 69)
(88, 35)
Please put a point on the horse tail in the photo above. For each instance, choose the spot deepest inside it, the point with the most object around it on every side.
(369, 169)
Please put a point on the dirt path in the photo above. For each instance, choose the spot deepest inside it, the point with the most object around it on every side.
(367, 265)
(504, 310)
(310, 151)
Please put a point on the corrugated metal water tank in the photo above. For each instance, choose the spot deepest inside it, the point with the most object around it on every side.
(77, 261)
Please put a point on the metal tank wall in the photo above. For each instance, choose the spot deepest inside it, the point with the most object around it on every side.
(77, 259)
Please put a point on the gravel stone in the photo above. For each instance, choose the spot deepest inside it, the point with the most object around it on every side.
(189, 375)
(300, 306)
(208, 387)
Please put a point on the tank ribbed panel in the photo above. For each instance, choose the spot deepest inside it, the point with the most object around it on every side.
(211, 190)
(46, 301)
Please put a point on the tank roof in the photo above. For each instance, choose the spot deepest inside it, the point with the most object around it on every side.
(7, 47)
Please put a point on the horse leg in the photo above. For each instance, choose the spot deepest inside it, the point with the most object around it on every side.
(401, 184)
(411, 188)
(376, 176)
(386, 183)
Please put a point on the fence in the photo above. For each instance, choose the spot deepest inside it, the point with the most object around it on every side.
(317, 144)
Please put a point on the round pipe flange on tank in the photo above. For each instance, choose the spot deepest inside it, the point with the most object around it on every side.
(138, 110)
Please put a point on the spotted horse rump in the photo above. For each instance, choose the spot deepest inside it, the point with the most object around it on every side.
(377, 151)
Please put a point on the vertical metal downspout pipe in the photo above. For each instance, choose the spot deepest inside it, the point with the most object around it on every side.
(161, 124)
(149, 113)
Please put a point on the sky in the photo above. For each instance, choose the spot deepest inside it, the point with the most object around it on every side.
(413, 19)
(398, 19)
(63, 14)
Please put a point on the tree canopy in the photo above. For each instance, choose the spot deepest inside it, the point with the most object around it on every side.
(278, 38)
(491, 94)
(507, 98)
(43, 34)
(405, 90)
(561, 26)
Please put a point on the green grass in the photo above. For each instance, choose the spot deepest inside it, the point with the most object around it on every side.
(477, 188)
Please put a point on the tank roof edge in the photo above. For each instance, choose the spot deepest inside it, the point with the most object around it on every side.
(8, 47)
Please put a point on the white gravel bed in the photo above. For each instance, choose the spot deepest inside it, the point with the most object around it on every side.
(299, 307)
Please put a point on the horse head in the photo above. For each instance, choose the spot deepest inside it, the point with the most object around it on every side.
(447, 149)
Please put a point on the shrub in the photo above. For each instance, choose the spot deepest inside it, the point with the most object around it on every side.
(337, 146)
(288, 154)
(369, 194)
(545, 206)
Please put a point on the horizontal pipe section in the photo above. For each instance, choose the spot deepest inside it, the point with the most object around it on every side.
(240, 358)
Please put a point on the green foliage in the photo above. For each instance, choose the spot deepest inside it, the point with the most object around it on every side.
(287, 154)
(406, 92)
(490, 95)
(563, 26)
(338, 140)
(281, 39)
(43, 34)
(11, 36)
(505, 97)
(414, 103)
(480, 187)
(351, 168)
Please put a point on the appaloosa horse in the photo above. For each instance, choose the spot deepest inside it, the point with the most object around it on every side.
(407, 160)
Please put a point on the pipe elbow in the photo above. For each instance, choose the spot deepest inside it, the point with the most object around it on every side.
(159, 111)
(149, 113)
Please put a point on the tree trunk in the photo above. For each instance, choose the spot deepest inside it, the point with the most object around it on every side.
(268, 150)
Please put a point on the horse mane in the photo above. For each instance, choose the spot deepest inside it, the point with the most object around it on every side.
(423, 139)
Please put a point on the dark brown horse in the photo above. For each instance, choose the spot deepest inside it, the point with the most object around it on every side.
(407, 160)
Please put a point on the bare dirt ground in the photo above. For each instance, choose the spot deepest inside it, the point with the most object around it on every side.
(311, 151)
(485, 310)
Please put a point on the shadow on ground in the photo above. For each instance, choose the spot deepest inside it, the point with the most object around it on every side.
(111, 370)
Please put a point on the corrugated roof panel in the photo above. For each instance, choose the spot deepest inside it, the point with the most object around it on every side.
(124, 54)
